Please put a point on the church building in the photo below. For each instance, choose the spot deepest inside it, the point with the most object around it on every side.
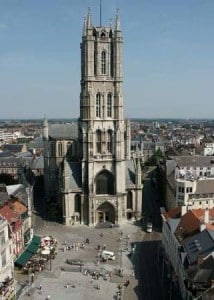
(89, 170)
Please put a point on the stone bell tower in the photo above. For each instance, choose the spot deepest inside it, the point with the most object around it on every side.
(103, 134)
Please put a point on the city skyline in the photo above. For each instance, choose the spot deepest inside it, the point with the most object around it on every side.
(168, 51)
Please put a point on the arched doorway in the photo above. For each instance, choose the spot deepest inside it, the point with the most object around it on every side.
(105, 213)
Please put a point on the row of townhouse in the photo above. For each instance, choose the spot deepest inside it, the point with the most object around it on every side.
(189, 181)
(7, 282)
(15, 233)
(188, 243)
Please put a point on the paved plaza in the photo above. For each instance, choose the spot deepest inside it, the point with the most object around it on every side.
(61, 281)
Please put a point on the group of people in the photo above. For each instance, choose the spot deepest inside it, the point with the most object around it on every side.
(76, 246)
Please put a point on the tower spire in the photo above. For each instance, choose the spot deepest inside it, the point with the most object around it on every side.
(88, 19)
(117, 22)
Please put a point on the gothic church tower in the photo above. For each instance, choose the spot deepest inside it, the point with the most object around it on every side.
(104, 135)
(88, 169)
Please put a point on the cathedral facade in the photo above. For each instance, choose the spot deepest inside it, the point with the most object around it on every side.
(88, 167)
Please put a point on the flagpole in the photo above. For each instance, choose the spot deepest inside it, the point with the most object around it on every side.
(100, 13)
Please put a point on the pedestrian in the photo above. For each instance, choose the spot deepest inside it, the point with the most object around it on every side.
(40, 287)
(104, 246)
(101, 234)
(32, 278)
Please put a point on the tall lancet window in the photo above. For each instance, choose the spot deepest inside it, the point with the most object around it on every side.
(98, 105)
(109, 141)
(98, 141)
(103, 62)
(109, 105)
(59, 149)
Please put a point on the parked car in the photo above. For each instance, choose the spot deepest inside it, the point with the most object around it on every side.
(108, 255)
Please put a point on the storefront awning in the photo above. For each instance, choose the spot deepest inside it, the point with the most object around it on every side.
(29, 252)
(23, 259)
(36, 239)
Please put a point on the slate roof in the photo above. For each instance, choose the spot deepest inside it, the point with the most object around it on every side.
(6, 154)
(13, 147)
(73, 175)
(196, 160)
(36, 143)
(11, 161)
(130, 173)
(201, 244)
(63, 131)
(203, 273)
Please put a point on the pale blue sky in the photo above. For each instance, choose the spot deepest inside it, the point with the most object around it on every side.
(168, 56)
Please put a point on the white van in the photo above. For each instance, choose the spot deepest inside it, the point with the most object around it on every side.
(108, 255)
(149, 227)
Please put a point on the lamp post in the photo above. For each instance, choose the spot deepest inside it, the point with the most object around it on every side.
(50, 260)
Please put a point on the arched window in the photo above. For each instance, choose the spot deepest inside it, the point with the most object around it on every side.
(109, 141)
(103, 62)
(109, 105)
(98, 105)
(105, 183)
(59, 149)
(77, 203)
(129, 204)
(98, 141)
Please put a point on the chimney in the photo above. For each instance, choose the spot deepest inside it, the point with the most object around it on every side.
(183, 210)
(206, 216)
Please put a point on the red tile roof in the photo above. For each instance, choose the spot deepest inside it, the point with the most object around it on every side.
(9, 214)
(188, 225)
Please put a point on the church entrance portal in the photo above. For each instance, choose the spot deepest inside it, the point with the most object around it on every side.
(106, 213)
